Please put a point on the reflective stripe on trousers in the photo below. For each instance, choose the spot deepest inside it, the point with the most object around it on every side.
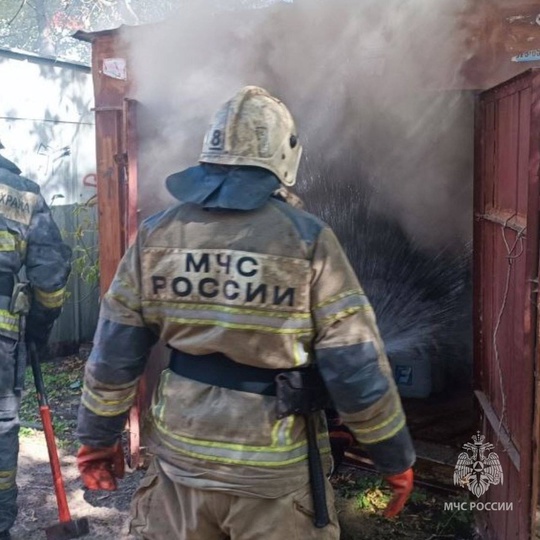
(9, 433)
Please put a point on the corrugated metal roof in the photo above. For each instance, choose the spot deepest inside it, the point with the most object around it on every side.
(90, 37)
(18, 54)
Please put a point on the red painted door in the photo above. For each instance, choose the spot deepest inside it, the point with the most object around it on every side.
(506, 270)
(130, 220)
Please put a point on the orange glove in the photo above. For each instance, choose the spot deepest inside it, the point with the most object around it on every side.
(100, 467)
(402, 486)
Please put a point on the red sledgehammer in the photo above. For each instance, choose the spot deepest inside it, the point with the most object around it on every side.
(66, 528)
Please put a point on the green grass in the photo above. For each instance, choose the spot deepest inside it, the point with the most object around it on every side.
(363, 496)
(63, 384)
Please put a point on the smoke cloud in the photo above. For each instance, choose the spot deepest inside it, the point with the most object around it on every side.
(373, 87)
(387, 134)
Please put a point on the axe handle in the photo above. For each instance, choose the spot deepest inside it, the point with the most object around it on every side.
(45, 413)
(316, 474)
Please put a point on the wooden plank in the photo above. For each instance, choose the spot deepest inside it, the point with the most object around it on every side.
(494, 331)
(130, 226)
(479, 203)
(531, 295)
(108, 91)
(507, 144)
(111, 241)
(510, 359)
(501, 521)
(524, 150)
(493, 419)
(131, 188)
(516, 342)
(509, 220)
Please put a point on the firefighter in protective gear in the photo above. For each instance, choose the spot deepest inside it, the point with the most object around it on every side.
(29, 238)
(241, 286)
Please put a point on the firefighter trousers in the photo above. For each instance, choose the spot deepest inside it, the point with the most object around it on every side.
(163, 509)
(10, 400)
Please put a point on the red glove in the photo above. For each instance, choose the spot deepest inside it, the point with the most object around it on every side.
(402, 485)
(100, 467)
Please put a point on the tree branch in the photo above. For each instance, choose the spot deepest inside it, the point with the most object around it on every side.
(17, 14)
(127, 8)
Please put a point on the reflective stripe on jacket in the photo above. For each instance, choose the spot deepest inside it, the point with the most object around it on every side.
(29, 237)
(270, 288)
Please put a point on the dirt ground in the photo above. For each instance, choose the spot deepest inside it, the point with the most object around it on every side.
(360, 497)
(107, 513)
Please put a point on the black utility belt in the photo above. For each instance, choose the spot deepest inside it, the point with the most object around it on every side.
(299, 391)
(217, 369)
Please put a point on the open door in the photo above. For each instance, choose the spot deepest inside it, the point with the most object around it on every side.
(117, 203)
(130, 218)
(506, 240)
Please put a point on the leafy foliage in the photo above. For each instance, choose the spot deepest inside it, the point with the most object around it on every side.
(85, 252)
(46, 26)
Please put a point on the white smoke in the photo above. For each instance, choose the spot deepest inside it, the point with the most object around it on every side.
(372, 85)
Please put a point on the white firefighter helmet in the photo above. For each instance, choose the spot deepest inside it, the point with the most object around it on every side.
(256, 129)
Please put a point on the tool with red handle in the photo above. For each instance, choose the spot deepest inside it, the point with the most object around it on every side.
(67, 528)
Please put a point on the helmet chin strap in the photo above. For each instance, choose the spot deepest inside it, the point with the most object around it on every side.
(289, 197)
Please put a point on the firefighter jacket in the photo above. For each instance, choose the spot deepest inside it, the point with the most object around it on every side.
(29, 237)
(269, 288)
